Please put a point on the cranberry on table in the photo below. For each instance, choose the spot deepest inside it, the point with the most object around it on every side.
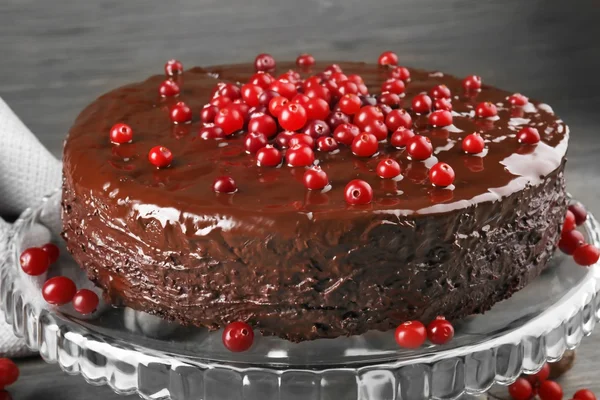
(262, 79)
(168, 88)
(345, 133)
(85, 301)
(220, 101)
(290, 76)
(52, 250)
(521, 389)
(263, 123)
(282, 139)
(211, 132)
(377, 128)
(440, 92)
(586, 255)
(550, 390)
(398, 119)
(317, 108)
(224, 184)
(346, 87)
(570, 241)
(34, 261)
(472, 83)
(393, 86)
(59, 290)
(254, 141)
(569, 223)
(230, 120)
(518, 100)
(579, 212)
(9, 372)
(421, 103)
(302, 99)
(419, 147)
(358, 192)
(410, 334)
(268, 156)
(440, 331)
(301, 138)
(121, 133)
(238, 337)
(365, 145)
(388, 168)
(473, 143)
(389, 99)
(400, 73)
(181, 113)
(440, 118)
(305, 60)
(401, 137)
(208, 113)
(300, 156)
(316, 129)
(276, 105)
(584, 394)
(265, 97)
(349, 104)
(264, 62)
(173, 67)
(229, 90)
(315, 178)
(251, 94)
(320, 92)
(528, 135)
(367, 114)
(292, 117)
(441, 174)
(388, 58)
(285, 88)
(486, 110)
(327, 144)
(333, 68)
(336, 118)
(541, 376)
(442, 104)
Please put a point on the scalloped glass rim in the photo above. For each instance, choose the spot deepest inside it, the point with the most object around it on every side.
(514, 336)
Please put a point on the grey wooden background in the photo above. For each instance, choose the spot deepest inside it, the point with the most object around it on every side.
(58, 55)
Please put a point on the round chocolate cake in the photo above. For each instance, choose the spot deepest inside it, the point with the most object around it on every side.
(403, 195)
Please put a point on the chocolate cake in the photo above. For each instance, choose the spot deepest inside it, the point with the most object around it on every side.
(214, 236)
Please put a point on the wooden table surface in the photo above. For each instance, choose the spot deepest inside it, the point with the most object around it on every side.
(57, 56)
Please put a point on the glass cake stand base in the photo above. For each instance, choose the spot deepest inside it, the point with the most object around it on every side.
(134, 352)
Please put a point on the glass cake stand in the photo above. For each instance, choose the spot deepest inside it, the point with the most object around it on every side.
(134, 352)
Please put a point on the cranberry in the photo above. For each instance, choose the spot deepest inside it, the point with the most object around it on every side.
(421, 103)
(301, 138)
(440, 118)
(168, 88)
(367, 114)
(471, 83)
(292, 117)
(299, 156)
(312, 82)
(264, 62)
(378, 129)
(224, 184)
(584, 394)
(276, 105)
(305, 60)
(290, 76)
(520, 390)
(283, 138)
(229, 90)
(586, 255)
(326, 144)
(441, 174)
(268, 156)
(528, 135)
(569, 223)
(389, 99)
(245, 110)
(365, 145)
(388, 168)
(398, 119)
(419, 147)
(34, 261)
(284, 88)
(333, 68)
(85, 301)
(401, 137)
(579, 212)
(440, 331)
(570, 241)
(211, 132)
(9, 372)
(160, 156)
(251, 94)
(486, 110)
(550, 390)
(59, 290)
(320, 92)
(473, 143)
(336, 119)
(440, 92)
(392, 85)
(400, 73)
(518, 100)
(317, 108)
(238, 337)
(263, 123)
(229, 120)
(262, 79)
(265, 97)
(349, 104)
(52, 251)
(173, 67)
(220, 101)
(358, 192)
(208, 113)
(317, 129)
(442, 104)
(388, 58)
(255, 141)
(315, 178)
(347, 87)
(410, 334)
(356, 79)
(181, 113)
(121, 133)
(541, 376)
(345, 133)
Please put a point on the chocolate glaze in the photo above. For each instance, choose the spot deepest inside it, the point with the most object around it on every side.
(300, 264)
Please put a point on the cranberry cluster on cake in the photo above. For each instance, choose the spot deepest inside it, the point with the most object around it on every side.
(313, 200)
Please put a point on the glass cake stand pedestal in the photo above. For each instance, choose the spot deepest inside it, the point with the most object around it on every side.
(134, 352)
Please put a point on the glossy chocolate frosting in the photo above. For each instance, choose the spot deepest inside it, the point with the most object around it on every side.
(303, 264)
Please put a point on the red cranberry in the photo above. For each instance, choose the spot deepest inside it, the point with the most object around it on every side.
(486, 110)
(367, 114)
(388, 58)
(349, 104)
(579, 212)
(345, 133)
(339, 77)
(276, 105)
(320, 92)
(264, 99)
(208, 113)
(168, 88)
(332, 86)
(377, 128)
(401, 137)
(302, 139)
(160, 156)
(336, 119)
(317, 108)
(586, 255)
(358, 192)
(419, 147)
(284, 88)
(421, 103)
(238, 337)
(263, 123)
(326, 144)
(569, 223)
(528, 135)
(440, 331)
(550, 390)
(570, 241)
(52, 250)
(584, 394)
(121, 133)
(398, 119)
(251, 94)
(282, 139)
(312, 82)
(264, 62)
(356, 79)
(305, 60)
(411, 334)
(292, 117)
(473, 143)
(291, 76)
(400, 73)
(262, 79)
(229, 90)
(301, 98)
(300, 156)
(389, 99)
(220, 101)
(245, 110)
(268, 156)
(441, 174)
(393, 86)
(518, 100)
(229, 120)
(388, 168)
(365, 145)
(9, 373)
(440, 118)
(58, 290)
(315, 178)
(224, 184)
(181, 113)
(333, 68)
(317, 129)
(472, 83)
(442, 104)
(347, 87)
(440, 92)
(255, 141)
(34, 261)
(521, 390)
(85, 301)
(173, 67)
(541, 376)
(211, 132)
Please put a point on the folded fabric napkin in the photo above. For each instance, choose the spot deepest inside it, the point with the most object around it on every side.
(27, 172)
